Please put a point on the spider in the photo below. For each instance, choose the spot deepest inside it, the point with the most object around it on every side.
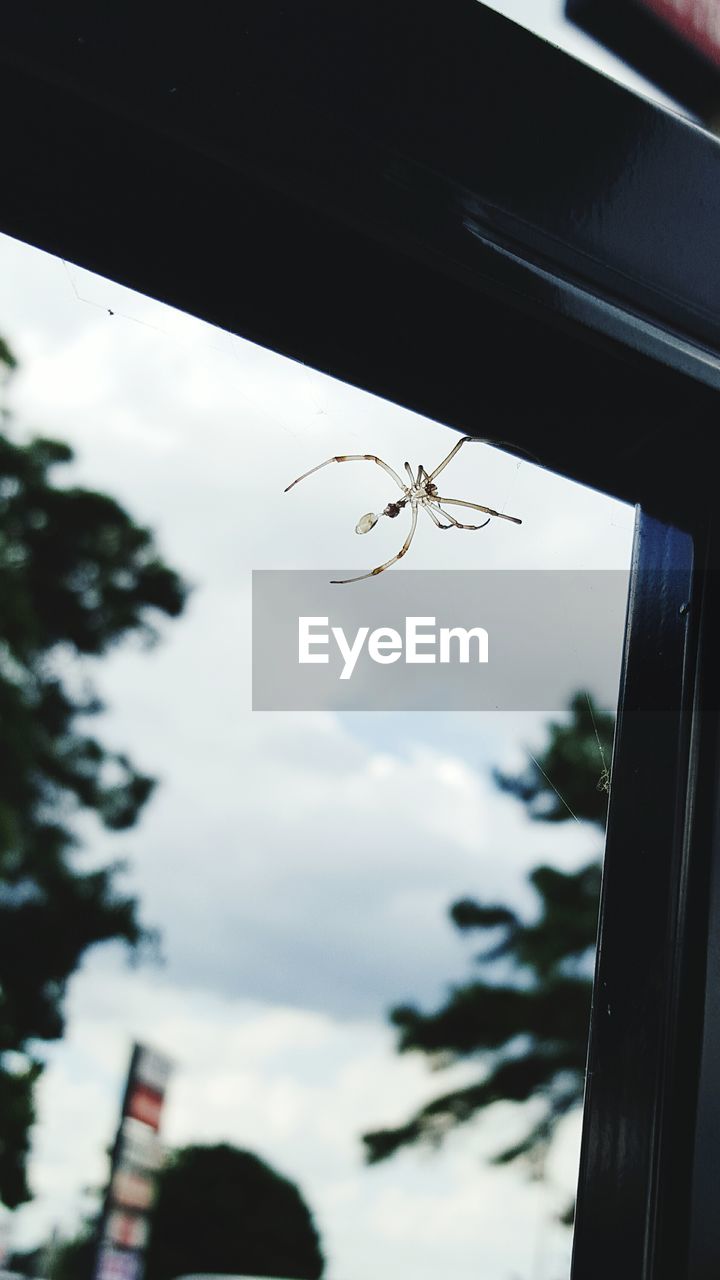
(420, 493)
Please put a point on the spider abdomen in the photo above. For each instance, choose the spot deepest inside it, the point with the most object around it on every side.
(366, 522)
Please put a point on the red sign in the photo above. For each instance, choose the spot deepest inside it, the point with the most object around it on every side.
(145, 1104)
(697, 21)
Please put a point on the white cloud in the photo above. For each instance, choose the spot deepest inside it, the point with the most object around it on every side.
(286, 865)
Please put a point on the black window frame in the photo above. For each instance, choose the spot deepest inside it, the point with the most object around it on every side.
(428, 202)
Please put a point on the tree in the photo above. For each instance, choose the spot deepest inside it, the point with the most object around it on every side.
(222, 1210)
(71, 1260)
(525, 1017)
(77, 576)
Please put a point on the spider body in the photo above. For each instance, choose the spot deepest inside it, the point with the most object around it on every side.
(419, 494)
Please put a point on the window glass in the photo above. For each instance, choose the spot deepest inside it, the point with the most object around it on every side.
(327, 885)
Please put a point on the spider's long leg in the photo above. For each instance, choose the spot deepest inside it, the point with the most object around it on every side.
(386, 565)
(455, 524)
(442, 465)
(433, 517)
(351, 457)
(475, 506)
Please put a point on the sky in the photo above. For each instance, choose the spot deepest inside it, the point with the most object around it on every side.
(298, 865)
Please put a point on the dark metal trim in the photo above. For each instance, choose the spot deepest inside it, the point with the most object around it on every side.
(418, 200)
(650, 1161)
(626, 1083)
(405, 120)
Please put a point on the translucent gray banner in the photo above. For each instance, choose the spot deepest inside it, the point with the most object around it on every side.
(481, 640)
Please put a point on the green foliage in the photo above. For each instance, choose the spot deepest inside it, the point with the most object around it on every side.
(30, 1262)
(77, 575)
(16, 1118)
(7, 359)
(224, 1211)
(75, 1259)
(526, 1016)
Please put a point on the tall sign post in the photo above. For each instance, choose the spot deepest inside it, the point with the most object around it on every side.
(136, 1159)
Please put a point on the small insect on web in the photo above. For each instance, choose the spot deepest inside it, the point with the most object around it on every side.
(418, 494)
